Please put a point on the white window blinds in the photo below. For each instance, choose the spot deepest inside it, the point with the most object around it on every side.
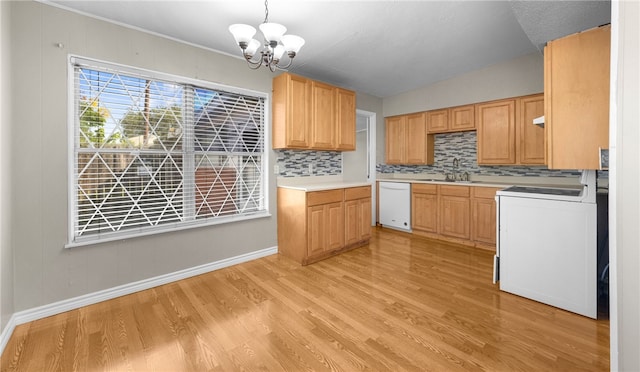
(152, 154)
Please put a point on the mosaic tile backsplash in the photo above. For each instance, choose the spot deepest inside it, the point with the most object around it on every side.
(462, 145)
(295, 163)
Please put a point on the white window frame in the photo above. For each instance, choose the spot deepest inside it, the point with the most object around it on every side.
(72, 240)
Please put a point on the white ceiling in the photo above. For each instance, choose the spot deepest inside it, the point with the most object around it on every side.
(380, 48)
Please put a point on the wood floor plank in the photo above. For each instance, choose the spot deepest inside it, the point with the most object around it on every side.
(399, 303)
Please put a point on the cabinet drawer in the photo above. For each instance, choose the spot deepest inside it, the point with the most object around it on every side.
(454, 190)
(484, 192)
(352, 193)
(422, 188)
(324, 197)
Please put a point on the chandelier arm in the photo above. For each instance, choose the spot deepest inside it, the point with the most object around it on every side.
(253, 65)
(285, 67)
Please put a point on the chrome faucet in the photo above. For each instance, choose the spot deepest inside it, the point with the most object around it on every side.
(454, 173)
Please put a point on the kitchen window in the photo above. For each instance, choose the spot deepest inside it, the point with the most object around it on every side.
(153, 152)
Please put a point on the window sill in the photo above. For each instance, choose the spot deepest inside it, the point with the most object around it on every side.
(111, 237)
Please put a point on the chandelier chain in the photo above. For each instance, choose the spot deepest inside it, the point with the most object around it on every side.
(266, 11)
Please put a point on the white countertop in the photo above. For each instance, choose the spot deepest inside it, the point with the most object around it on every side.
(325, 186)
(320, 183)
(485, 181)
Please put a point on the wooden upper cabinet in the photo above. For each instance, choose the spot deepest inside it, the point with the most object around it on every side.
(453, 119)
(506, 133)
(323, 116)
(346, 119)
(496, 132)
(417, 145)
(291, 105)
(576, 94)
(530, 137)
(438, 121)
(395, 139)
(309, 114)
(407, 141)
(462, 118)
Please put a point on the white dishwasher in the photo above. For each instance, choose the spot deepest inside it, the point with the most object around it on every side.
(395, 205)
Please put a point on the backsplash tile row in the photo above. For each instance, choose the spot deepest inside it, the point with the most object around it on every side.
(462, 145)
(295, 163)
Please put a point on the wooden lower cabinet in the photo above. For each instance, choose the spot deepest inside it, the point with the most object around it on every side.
(461, 214)
(316, 225)
(483, 215)
(454, 211)
(328, 228)
(357, 214)
(424, 207)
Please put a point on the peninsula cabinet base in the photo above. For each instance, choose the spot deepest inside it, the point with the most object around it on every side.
(325, 255)
(316, 225)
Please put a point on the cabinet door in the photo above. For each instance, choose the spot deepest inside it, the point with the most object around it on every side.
(576, 90)
(317, 238)
(291, 107)
(357, 220)
(531, 137)
(454, 216)
(325, 225)
(438, 121)
(424, 212)
(484, 221)
(416, 148)
(395, 136)
(351, 223)
(323, 115)
(346, 119)
(496, 132)
(335, 225)
(364, 219)
(462, 118)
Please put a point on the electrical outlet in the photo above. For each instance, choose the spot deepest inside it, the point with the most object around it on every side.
(310, 168)
(276, 169)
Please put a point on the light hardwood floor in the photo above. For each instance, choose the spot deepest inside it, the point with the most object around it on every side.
(400, 303)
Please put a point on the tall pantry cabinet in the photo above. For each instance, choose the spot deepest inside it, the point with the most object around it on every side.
(576, 95)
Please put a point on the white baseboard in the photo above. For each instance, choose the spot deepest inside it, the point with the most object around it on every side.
(6, 333)
(44, 311)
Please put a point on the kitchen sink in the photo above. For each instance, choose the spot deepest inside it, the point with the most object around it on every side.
(447, 181)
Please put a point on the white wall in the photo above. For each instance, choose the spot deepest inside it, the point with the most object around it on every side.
(625, 188)
(6, 260)
(44, 271)
(370, 103)
(354, 163)
(517, 77)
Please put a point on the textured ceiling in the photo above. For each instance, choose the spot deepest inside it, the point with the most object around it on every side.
(381, 48)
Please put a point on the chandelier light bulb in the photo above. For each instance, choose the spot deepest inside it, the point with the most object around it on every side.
(292, 43)
(242, 33)
(272, 32)
(252, 48)
(278, 52)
